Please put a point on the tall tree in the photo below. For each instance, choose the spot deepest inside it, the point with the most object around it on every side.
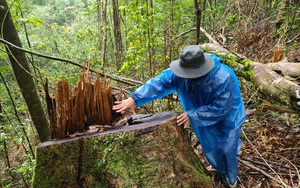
(149, 5)
(103, 27)
(198, 21)
(117, 33)
(22, 73)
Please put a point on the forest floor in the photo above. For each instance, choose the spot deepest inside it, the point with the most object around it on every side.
(270, 155)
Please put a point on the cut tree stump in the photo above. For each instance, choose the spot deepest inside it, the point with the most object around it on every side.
(154, 153)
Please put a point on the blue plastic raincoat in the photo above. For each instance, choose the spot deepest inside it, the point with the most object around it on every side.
(215, 108)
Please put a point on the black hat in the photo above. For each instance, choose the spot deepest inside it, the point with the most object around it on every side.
(192, 63)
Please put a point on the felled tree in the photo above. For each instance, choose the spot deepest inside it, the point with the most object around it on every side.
(272, 84)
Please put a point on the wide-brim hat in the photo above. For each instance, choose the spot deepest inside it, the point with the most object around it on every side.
(192, 63)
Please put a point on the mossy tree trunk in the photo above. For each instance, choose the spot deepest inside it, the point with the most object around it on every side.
(152, 154)
(22, 73)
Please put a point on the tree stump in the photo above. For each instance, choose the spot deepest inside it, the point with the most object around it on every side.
(153, 153)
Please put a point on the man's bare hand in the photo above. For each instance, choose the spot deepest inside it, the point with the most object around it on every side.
(124, 105)
(183, 119)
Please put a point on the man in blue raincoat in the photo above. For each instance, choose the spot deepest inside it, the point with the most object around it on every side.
(211, 99)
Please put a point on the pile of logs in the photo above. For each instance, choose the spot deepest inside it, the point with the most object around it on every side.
(72, 112)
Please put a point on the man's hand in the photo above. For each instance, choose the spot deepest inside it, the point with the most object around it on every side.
(183, 119)
(124, 105)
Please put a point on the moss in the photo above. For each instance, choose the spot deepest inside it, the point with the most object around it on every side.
(50, 158)
(120, 158)
(159, 158)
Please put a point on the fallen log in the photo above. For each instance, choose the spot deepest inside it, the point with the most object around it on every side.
(268, 81)
(153, 152)
(291, 71)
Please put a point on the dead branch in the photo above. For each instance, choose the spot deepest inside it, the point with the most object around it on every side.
(264, 173)
(289, 41)
(214, 41)
(277, 108)
(209, 36)
(186, 32)
(267, 164)
(273, 164)
(113, 77)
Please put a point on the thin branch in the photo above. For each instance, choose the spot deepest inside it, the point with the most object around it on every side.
(6, 153)
(289, 41)
(209, 36)
(2, 24)
(275, 165)
(298, 174)
(22, 67)
(202, 30)
(264, 173)
(186, 32)
(215, 41)
(119, 79)
(35, 69)
(11, 98)
(280, 179)
(277, 108)
(16, 114)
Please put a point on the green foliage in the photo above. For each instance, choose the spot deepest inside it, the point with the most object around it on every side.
(290, 20)
(246, 71)
(146, 26)
(12, 135)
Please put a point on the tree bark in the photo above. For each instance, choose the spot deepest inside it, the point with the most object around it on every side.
(103, 28)
(155, 153)
(117, 33)
(198, 21)
(290, 71)
(269, 82)
(22, 73)
(149, 34)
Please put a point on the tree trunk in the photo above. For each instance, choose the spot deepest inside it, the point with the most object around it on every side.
(22, 73)
(198, 21)
(155, 153)
(117, 33)
(103, 28)
(290, 71)
(150, 34)
(269, 82)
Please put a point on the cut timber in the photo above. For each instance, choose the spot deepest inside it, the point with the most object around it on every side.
(269, 82)
(156, 153)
